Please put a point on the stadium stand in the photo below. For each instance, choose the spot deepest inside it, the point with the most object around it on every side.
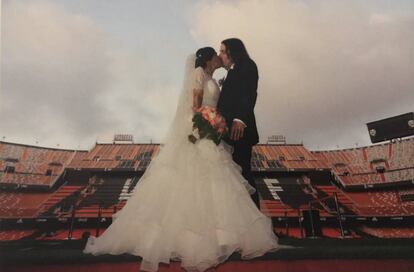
(134, 157)
(289, 196)
(23, 166)
(381, 203)
(60, 204)
(9, 235)
(106, 193)
(383, 164)
(22, 205)
(387, 232)
(87, 185)
(288, 156)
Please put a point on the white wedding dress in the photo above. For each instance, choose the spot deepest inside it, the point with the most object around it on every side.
(191, 204)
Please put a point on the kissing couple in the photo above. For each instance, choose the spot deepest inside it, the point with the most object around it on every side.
(197, 202)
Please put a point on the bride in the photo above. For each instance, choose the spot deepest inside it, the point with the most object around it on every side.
(192, 203)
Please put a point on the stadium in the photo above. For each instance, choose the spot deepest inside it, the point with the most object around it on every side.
(336, 209)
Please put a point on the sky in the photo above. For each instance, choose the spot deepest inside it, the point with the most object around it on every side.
(76, 72)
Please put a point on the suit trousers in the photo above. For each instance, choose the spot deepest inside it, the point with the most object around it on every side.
(242, 155)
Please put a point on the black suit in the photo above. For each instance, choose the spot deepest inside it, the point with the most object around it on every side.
(237, 100)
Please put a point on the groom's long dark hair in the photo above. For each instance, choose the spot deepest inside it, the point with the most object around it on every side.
(237, 51)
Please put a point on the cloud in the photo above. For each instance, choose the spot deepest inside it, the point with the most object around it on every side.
(66, 81)
(326, 68)
(54, 71)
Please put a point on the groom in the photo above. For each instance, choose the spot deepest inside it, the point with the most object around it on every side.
(236, 104)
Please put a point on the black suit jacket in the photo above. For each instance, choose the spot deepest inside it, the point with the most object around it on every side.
(238, 98)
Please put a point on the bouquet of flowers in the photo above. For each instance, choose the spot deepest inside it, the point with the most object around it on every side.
(208, 123)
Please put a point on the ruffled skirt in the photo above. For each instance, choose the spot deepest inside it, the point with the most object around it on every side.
(193, 205)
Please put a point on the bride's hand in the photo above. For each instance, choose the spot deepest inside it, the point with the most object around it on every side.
(195, 109)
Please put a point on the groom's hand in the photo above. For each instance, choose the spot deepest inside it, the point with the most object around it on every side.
(237, 130)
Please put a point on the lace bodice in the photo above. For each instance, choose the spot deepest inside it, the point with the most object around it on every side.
(211, 90)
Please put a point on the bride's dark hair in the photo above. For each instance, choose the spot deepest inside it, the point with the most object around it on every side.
(203, 55)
